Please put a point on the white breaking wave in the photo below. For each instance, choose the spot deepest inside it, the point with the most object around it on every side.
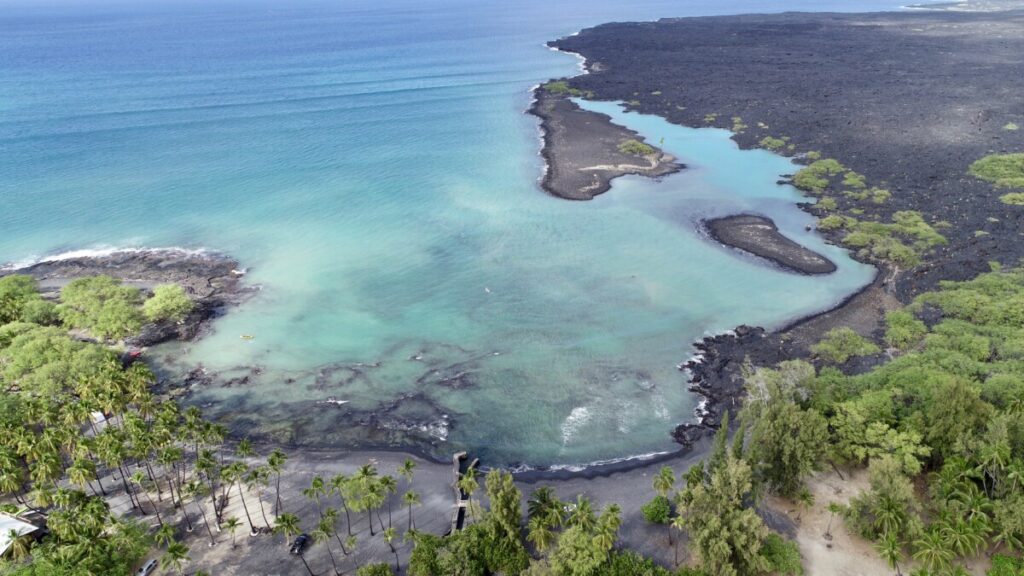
(573, 422)
(595, 463)
(100, 252)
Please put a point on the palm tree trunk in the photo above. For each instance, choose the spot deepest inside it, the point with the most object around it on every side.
(277, 497)
(252, 529)
(334, 563)
(205, 520)
(380, 520)
(128, 490)
(369, 516)
(263, 510)
(184, 509)
(410, 519)
(306, 564)
(155, 509)
(342, 544)
(348, 518)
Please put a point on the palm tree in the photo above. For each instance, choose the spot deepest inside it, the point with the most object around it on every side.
(833, 509)
(257, 478)
(805, 499)
(664, 481)
(583, 514)
(963, 537)
(286, 523)
(342, 486)
(931, 550)
(468, 484)
(410, 499)
(81, 472)
(889, 549)
(175, 557)
(322, 535)
(331, 516)
(164, 535)
(235, 473)
(678, 523)
(316, 489)
(543, 504)
(195, 488)
(275, 462)
(389, 537)
(607, 528)
(232, 525)
(138, 478)
(390, 488)
(540, 533)
(20, 545)
(406, 471)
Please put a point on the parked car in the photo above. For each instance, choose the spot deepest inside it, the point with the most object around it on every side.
(147, 568)
(299, 543)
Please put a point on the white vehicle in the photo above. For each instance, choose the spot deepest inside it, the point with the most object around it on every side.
(147, 568)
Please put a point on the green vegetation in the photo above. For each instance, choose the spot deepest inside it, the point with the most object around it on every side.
(561, 87)
(1003, 170)
(636, 148)
(101, 305)
(1011, 127)
(827, 204)
(710, 118)
(814, 178)
(737, 125)
(903, 329)
(169, 302)
(940, 428)
(854, 180)
(773, 144)
(882, 241)
(1013, 199)
(813, 155)
(658, 510)
(841, 344)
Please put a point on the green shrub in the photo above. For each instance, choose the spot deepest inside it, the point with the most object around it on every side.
(841, 344)
(813, 155)
(737, 125)
(1010, 126)
(880, 196)
(169, 302)
(815, 177)
(1003, 170)
(16, 291)
(854, 180)
(1003, 565)
(903, 329)
(379, 569)
(782, 555)
(636, 148)
(772, 144)
(1013, 199)
(102, 306)
(710, 118)
(630, 564)
(39, 311)
(834, 222)
(557, 87)
(658, 510)
(827, 204)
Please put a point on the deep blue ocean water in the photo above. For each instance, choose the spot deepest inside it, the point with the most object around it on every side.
(371, 164)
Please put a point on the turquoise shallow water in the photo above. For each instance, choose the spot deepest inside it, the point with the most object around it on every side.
(371, 165)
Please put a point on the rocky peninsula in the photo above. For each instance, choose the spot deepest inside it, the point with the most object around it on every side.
(760, 236)
(585, 150)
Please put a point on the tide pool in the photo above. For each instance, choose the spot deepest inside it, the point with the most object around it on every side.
(370, 164)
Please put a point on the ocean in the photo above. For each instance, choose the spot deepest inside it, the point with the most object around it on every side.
(370, 164)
